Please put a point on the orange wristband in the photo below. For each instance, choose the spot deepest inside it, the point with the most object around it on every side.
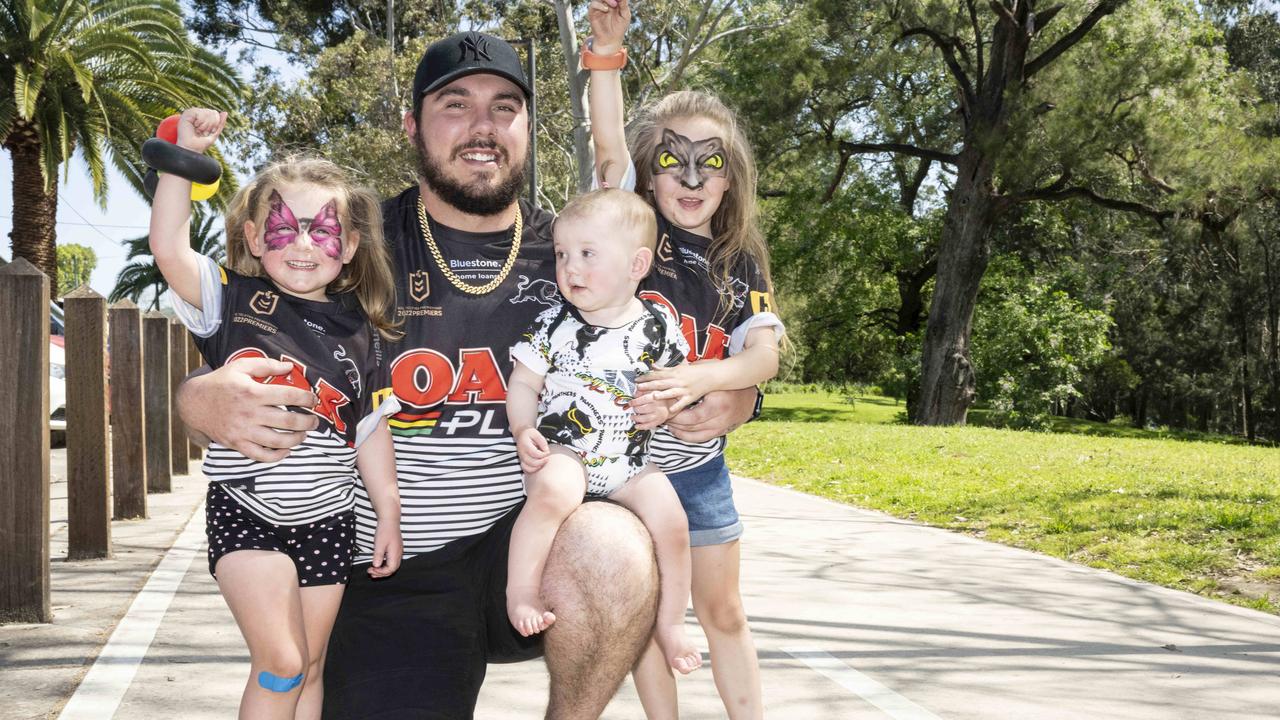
(592, 61)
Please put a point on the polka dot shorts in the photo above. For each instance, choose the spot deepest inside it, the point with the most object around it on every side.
(321, 551)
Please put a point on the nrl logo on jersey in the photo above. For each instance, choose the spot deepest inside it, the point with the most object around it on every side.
(664, 248)
(419, 285)
(263, 302)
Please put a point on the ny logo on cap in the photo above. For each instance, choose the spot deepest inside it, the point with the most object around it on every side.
(476, 46)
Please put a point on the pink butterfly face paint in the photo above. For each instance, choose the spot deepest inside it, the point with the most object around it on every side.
(283, 228)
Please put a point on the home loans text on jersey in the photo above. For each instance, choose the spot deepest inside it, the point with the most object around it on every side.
(717, 339)
(330, 398)
(424, 379)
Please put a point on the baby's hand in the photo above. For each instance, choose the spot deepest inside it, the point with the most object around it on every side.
(388, 549)
(685, 383)
(609, 20)
(649, 411)
(533, 450)
(199, 127)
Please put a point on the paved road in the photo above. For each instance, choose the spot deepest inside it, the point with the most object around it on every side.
(856, 615)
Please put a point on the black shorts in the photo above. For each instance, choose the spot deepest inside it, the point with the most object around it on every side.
(416, 644)
(321, 551)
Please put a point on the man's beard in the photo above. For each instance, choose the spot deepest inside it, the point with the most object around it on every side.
(477, 197)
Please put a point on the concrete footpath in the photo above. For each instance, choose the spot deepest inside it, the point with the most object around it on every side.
(856, 615)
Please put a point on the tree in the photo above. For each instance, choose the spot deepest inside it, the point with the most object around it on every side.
(75, 265)
(142, 276)
(1104, 103)
(94, 76)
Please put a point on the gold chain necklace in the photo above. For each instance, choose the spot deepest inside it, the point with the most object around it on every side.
(448, 273)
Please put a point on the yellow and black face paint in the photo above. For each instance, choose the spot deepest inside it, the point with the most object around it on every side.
(691, 161)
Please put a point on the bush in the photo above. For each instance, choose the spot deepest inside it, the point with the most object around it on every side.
(1031, 346)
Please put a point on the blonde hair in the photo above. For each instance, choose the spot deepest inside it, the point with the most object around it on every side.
(627, 208)
(735, 227)
(368, 275)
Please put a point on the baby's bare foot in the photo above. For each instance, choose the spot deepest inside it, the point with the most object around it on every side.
(676, 647)
(525, 611)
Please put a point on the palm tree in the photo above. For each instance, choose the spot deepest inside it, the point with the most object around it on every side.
(95, 76)
(142, 275)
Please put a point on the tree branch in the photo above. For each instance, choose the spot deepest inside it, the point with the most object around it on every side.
(839, 176)
(977, 39)
(1057, 192)
(901, 149)
(946, 45)
(732, 31)
(686, 48)
(1045, 17)
(1066, 42)
(1005, 13)
(911, 190)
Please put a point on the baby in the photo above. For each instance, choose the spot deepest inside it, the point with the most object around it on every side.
(579, 428)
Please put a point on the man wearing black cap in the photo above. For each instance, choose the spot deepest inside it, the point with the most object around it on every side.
(474, 267)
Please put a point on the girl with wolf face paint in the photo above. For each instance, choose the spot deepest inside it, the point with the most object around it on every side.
(689, 159)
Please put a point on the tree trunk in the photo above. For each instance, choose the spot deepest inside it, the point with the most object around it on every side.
(947, 383)
(583, 160)
(35, 211)
(1273, 339)
(1246, 383)
(947, 378)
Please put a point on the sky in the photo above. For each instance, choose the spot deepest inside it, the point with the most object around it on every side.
(82, 221)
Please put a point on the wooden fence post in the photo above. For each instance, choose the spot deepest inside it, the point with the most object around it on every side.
(128, 413)
(155, 396)
(24, 444)
(177, 372)
(194, 361)
(88, 468)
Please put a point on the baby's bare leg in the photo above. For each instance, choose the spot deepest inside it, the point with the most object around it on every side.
(554, 492)
(650, 496)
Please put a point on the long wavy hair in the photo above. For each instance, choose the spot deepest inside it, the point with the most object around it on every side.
(368, 275)
(735, 227)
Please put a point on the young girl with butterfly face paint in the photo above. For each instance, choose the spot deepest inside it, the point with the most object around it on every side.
(307, 281)
(688, 157)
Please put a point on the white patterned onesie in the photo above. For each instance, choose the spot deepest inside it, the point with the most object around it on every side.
(589, 377)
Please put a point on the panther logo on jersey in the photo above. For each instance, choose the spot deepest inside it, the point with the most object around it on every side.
(263, 302)
(736, 292)
(543, 292)
(564, 428)
(349, 367)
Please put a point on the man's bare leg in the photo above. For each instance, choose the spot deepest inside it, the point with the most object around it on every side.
(601, 581)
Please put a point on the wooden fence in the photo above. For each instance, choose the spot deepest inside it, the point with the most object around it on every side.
(123, 438)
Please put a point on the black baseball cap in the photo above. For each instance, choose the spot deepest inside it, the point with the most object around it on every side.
(467, 53)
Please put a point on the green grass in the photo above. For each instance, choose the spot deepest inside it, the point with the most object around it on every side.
(1189, 514)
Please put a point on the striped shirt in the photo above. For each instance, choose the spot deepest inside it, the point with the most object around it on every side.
(455, 457)
(332, 348)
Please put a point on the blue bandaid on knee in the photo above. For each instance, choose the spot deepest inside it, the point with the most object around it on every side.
(275, 683)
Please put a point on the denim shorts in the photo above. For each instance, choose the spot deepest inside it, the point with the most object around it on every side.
(707, 498)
